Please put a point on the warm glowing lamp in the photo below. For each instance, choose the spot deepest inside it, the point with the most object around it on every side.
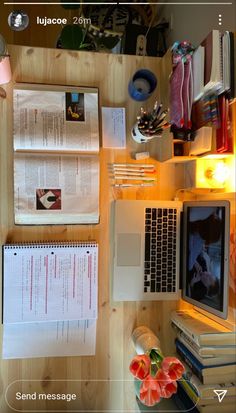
(217, 174)
(208, 173)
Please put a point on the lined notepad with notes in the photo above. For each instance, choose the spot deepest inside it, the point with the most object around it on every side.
(47, 289)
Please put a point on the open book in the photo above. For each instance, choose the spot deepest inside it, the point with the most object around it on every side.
(56, 147)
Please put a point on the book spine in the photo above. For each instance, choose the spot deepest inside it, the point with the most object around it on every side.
(190, 342)
(184, 402)
(186, 331)
(204, 362)
(212, 337)
(208, 361)
(207, 390)
(189, 360)
(189, 390)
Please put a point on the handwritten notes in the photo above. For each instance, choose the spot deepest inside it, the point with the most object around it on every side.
(113, 128)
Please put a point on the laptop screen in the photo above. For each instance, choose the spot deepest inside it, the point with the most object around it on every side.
(206, 256)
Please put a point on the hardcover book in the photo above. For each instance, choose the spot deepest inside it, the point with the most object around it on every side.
(209, 361)
(186, 401)
(210, 374)
(202, 330)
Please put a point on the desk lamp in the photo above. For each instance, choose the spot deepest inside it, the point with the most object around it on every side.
(207, 173)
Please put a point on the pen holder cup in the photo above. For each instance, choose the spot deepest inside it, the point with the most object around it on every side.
(138, 137)
(142, 85)
(5, 70)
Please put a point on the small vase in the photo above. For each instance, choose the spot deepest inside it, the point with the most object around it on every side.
(145, 340)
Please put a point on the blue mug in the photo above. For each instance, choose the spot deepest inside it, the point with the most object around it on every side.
(142, 85)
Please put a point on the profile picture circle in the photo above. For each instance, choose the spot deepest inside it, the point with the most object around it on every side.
(18, 20)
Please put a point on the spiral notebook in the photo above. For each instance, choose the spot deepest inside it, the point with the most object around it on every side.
(50, 293)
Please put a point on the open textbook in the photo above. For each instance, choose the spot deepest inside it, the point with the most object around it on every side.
(56, 148)
(49, 299)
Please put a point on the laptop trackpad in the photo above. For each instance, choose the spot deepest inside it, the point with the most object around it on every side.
(128, 250)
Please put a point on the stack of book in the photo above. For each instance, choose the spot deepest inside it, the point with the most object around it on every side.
(208, 351)
(213, 65)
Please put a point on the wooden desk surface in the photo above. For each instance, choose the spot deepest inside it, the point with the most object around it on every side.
(101, 383)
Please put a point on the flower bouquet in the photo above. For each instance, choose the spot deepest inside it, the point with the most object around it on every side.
(156, 376)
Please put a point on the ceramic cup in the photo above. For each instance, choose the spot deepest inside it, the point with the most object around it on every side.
(142, 85)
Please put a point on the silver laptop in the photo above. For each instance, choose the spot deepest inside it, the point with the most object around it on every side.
(146, 250)
(149, 240)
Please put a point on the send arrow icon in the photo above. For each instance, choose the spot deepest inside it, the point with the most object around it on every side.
(220, 394)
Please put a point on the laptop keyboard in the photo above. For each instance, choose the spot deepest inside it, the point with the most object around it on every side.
(160, 250)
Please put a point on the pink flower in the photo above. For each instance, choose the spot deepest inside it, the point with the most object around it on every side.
(140, 366)
(168, 386)
(150, 391)
(173, 367)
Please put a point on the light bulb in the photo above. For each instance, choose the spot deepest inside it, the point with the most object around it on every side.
(218, 173)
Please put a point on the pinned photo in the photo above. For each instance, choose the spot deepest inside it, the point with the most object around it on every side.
(75, 107)
(48, 199)
(18, 20)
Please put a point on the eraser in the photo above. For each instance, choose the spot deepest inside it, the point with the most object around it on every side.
(142, 155)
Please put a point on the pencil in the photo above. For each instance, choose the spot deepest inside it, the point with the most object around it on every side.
(135, 177)
(127, 173)
(134, 165)
(133, 185)
(141, 170)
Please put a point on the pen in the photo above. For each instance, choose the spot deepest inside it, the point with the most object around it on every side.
(134, 165)
(160, 118)
(132, 185)
(158, 110)
(139, 170)
(127, 173)
(135, 177)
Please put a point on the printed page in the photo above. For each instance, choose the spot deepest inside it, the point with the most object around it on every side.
(56, 189)
(58, 120)
(50, 283)
(52, 339)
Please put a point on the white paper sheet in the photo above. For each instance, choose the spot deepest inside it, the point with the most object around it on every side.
(113, 128)
(52, 339)
(55, 119)
(73, 180)
(52, 283)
